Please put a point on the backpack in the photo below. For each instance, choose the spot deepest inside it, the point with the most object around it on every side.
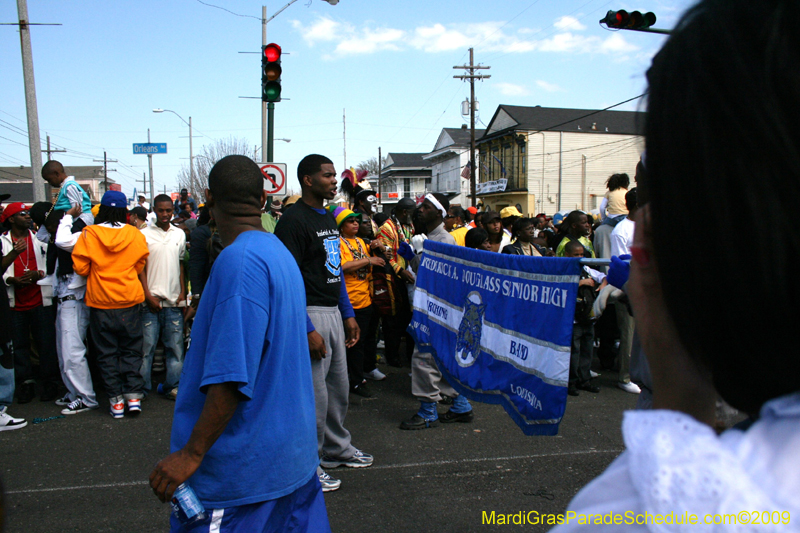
(584, 308)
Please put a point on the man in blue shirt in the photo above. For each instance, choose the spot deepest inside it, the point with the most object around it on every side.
(244, 433)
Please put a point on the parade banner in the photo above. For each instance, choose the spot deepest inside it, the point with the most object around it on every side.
(500, 328)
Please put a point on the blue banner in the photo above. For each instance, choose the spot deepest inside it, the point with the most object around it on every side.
(500, 328)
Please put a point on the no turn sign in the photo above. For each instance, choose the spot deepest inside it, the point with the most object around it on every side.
(274, 178)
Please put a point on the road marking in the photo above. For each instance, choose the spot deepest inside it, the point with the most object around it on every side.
(77, 487)
(376, 467)
(487, 459)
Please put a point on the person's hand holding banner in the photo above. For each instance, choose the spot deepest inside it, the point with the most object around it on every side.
(619, 271)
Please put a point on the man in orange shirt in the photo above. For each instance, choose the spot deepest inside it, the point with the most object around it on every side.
(111, 254)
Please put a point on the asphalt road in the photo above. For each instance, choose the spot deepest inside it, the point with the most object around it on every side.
(88, 472)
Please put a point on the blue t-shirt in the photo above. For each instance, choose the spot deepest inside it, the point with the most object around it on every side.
(250, 329)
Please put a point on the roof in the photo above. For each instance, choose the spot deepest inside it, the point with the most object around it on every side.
(399, 160)
(537, 118)
(20, 192)
(20, 173)
(460, 136)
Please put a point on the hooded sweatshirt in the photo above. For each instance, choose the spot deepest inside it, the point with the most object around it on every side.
(111, 258)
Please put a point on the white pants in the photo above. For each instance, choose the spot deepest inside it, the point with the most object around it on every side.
(72, 321)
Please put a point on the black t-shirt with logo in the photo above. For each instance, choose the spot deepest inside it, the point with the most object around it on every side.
(313, 240)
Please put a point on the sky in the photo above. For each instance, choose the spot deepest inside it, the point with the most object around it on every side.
(387, 65)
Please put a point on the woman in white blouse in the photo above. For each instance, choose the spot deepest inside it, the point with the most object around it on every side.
(722, 140)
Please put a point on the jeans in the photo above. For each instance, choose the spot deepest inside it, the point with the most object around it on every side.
(167, 324)
(7, 384)
(117, 337)
(580, 358)
(39, 323)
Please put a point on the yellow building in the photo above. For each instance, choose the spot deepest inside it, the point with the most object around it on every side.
(552, 159)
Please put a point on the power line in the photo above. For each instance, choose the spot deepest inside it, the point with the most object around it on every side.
(229, 11)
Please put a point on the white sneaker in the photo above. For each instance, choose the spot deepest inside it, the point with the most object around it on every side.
(631, 387)
(381, 344)
(8, 422)
(593, 374)
(375, 375)
(329, 483)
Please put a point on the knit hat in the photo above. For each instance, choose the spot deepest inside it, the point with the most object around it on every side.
(341, 214)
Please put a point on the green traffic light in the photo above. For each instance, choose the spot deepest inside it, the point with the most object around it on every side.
(272, 92)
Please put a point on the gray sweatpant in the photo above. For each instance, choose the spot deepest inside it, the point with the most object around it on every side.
(427, 383)
(331, 386)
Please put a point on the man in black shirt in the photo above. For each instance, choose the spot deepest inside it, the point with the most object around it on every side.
(311, 235)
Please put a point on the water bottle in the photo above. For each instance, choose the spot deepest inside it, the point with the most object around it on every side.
(185, 505)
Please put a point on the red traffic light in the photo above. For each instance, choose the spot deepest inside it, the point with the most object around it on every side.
(272, 52)
(629, 21)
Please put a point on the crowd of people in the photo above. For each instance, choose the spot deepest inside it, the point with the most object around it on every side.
(252, 408)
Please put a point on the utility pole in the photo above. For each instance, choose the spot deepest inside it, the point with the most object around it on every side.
(106, 161)
(150, 164)
(344, 136)
(380, 160)
(34, 142)
(471, 68)
(49, 151)
(144, 185)
(263, 103)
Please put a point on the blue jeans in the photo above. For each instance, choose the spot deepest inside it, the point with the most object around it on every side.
(6, 374)
(167, 324)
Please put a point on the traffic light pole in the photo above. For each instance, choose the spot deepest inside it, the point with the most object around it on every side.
(270, 129)
(266, 147)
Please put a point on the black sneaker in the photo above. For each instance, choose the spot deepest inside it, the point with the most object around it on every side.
(63, 401)
(76, 407)
(362, 390)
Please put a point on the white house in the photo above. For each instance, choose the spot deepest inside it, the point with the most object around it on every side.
(405, 175)
(448, 160)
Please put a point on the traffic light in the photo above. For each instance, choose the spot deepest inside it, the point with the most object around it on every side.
(271, 73)
(628, 21)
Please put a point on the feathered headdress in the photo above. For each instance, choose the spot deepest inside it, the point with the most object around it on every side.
(354, 181)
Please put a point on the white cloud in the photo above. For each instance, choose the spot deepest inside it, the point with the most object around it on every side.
(510, 89)
(568, 23)
(371, 41)
(323, 29)
(435, 38)
(549, 87)
(616, 43)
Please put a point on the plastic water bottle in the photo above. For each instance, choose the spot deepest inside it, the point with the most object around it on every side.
(186, 506)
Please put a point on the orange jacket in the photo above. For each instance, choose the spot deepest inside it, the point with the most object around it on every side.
(111, 259)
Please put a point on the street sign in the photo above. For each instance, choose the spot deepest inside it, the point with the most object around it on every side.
(274, 178)
(149, 148)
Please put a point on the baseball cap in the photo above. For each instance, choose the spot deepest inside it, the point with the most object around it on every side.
(292, 200)
(114, 199)
(472, 210)
(489, 216)
(510, 211)
(12, 209)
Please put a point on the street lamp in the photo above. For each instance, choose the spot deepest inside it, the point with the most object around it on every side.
(191, 155)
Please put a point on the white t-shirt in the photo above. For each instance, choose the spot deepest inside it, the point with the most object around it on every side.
(164, 262)
(675, 464)
(622, 237)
